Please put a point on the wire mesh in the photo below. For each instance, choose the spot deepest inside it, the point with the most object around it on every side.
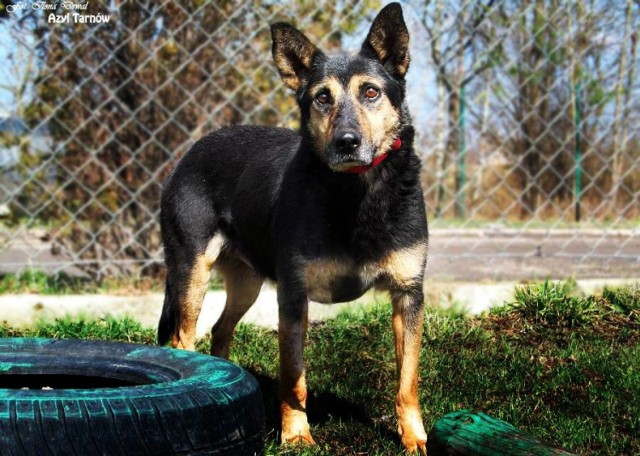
(526, 113)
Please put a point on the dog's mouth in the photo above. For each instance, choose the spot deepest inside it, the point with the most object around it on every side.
(357, 166)
(361, 160)
(341, 162)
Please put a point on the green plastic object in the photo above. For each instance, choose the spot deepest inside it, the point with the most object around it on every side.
(476, 434)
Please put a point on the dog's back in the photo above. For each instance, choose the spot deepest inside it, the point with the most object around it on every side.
(229, 181)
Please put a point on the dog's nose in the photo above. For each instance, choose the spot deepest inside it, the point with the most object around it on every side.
(347, 142)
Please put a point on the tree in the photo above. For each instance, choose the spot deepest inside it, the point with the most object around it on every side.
(126, 98)
(623, 89)
(557, 56)
(460, 53)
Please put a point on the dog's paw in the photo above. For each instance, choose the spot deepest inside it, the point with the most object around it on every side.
(415, 447)
(297, 438)
(414, 438)
(295, 427)
(181, 344)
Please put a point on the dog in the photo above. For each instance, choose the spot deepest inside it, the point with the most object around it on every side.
(327, 213)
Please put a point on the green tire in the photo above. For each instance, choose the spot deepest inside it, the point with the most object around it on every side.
(77, 397)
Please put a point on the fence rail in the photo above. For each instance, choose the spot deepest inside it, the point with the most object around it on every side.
(527, 116)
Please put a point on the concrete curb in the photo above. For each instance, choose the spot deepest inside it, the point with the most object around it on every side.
(27, 310)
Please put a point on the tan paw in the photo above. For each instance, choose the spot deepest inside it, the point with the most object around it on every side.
(414, 438)
(297, 438)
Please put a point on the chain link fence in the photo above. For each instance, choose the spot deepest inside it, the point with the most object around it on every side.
(527, 114)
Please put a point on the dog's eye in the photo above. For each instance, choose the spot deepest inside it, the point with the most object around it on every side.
(323, 98)
(371, 93)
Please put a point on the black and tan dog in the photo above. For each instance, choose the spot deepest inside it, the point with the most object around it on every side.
(327, 212)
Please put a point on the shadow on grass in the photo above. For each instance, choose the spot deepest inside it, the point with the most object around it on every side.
(322, 406)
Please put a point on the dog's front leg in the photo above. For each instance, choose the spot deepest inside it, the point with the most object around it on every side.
(408, 318)
(292, 327)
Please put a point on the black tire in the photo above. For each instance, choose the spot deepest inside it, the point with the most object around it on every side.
(111, 398)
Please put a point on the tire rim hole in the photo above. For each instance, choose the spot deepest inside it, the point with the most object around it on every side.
(61, 381)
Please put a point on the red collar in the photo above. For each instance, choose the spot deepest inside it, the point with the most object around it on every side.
(397, 144)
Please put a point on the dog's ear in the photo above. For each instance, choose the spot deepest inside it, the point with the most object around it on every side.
(388, 40)
(293, 54)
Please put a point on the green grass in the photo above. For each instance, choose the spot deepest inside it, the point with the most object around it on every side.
(124, 330)
(33, 281)
(554, 304)
(38, 282)
(562, 366)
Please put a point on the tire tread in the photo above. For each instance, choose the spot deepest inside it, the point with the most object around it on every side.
(192, 415)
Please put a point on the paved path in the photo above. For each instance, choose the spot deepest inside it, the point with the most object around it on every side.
(475, 269)
(458, 255)
(498, 255)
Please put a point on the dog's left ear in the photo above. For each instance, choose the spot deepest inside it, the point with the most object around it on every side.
(388, 40)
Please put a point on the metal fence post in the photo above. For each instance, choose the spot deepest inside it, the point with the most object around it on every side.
(577, 148)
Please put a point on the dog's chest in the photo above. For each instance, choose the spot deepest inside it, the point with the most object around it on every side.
(340, 279)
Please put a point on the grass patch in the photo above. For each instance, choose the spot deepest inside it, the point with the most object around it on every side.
(123, 330)
(555, 303)
(537, 363)
(33, 281)
(625, 301)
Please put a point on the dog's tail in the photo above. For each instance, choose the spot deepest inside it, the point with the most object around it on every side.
(167, 324)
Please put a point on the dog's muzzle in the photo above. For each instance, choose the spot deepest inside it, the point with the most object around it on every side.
(357, 166)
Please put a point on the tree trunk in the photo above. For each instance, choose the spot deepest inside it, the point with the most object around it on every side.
(533, 114)
(453, 147)
(441, 151)
(618, 133)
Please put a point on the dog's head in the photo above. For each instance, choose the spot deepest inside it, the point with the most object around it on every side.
(352, 106)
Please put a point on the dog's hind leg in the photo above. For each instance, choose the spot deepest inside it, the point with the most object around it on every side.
(188, 277)
(242, 285)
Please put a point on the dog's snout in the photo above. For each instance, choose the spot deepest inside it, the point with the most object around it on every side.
(347, 142)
